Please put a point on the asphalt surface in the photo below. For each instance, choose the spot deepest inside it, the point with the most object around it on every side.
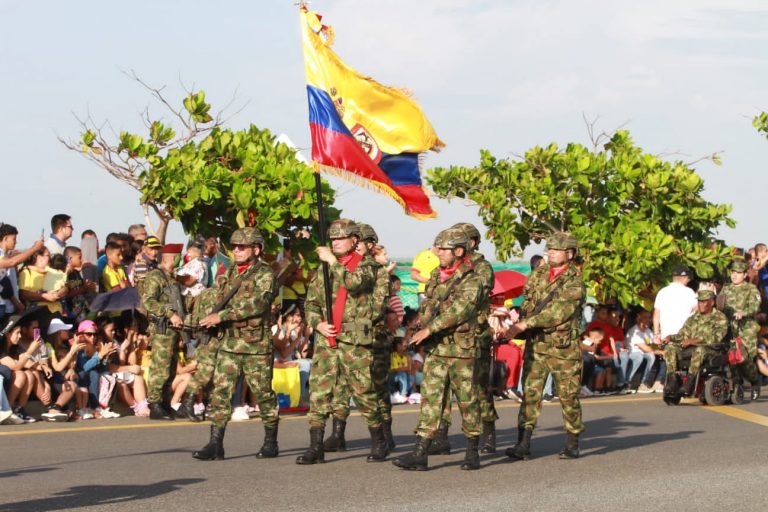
(637, 454)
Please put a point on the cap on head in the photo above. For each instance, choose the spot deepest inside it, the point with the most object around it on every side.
(739, 265)
(343, 228)
(57, 325)
(469, 229)
(451, 238)
(86, 325)
(681, 271)
(562, 240)
(367, 233)
(246, 236)
(152, 242)
(705, 295)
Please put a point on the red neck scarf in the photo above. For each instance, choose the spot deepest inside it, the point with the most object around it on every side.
(242, 268)
(555, 272)
(445, 273)
(350, 262)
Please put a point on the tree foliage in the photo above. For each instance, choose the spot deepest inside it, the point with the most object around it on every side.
(760, 122)
(634, 214)
(212, 179)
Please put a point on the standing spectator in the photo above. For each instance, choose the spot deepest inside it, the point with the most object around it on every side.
(114, 277)
(217, 262)
(9, 281)
(89, 243)
(674, 304)
(61, 231)
(32, 283)
(145, 262)
(101, 263)
(421, 268)
(395, 302)
(193, 274)
(138, 231)
(80, 290)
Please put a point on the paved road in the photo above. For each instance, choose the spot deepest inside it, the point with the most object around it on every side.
(638, 454)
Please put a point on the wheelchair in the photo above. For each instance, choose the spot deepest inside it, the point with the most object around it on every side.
(717, 383)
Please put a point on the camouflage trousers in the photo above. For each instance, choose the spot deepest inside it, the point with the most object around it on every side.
(748, 369)
(380, 377)
(567, 375)
(163, 365)
(674, 353)
(346, 367)
(488, 412)
(257, 370)
(205, 355)
(443, 376)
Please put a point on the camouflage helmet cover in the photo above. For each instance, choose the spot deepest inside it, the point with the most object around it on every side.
(739, 265)
(246, 236)
(367, 233)
(470, 229)
(343, 228)
(562, 240)
(451, 238)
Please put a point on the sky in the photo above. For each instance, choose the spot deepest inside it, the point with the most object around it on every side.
(684, 77)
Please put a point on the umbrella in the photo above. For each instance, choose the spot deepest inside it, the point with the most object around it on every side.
(119, 300)
(509, 284)
(15, 319)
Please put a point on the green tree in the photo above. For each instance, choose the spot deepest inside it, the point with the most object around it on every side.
(634, 214)
(760, 122)
(212, 179)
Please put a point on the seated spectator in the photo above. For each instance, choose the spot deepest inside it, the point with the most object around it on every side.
(589, 344)
(185, 369)
(20, 387)
(400, 372)
(37, 365)
(131, 388)
(32, 286)
(291, 337)
(92, 363)
(7, 417)
(640, 339)
(63, 382)
(113, 277)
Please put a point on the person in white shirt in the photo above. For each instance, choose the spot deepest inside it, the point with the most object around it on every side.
(61, 231)
(674, 304)
(639, 340)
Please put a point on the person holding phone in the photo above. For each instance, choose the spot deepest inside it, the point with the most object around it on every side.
(63, 381)
(13, 358)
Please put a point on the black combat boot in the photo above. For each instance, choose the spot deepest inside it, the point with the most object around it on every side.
(214, 450)
(315, 453)
(336, 441)
(158, 412)
(388, 437)
(488, 438)
(571, 450)
(522, 450)
(418, 458)
(471, 457)
(440, 444)
(378, 445)
(269, 448)
(187, 408)
(755, 392)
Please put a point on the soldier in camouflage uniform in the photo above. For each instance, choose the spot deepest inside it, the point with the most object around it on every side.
(449, 316)
(382, 348)
(551, 315)
(703, 330)
(441, 444)
(740, 301)
(164, 312)
(245, 343)
(349, 361)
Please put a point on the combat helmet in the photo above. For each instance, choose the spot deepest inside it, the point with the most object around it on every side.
(739, 265)
(343, 228)
(367, 233)
(452, 238)
(246, 236)
(562, 240)
(472, 232)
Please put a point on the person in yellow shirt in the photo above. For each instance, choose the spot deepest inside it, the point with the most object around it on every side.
(31, 283)
(421, 268)
(114, 277)
(400, 372)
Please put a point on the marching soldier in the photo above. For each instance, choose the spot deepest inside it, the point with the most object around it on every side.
(551, 312)
(349, 362)
(740, 303)
(705, 328)
(165, 309)
(449, 316)
(245, 343)
(382, 348)
(441, 445)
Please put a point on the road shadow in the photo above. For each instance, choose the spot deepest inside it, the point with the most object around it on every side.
(23, 471)
(94, 495)
(32, 469)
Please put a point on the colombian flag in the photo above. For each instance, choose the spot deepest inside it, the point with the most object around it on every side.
(361, 130)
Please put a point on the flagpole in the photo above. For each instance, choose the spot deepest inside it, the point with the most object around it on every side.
(324, 241)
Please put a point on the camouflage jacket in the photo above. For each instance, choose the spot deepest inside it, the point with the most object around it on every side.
(554, 331)
(357, 327)
(245, 317)
(380, 300)
(450, 312)
(744, 298)
(157, 294)
(484, 270)
(708, 329)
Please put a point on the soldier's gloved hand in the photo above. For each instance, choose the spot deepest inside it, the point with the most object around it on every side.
(210, 320)
(327, 330)
(176, 320)
(420, 336)
(326, 255)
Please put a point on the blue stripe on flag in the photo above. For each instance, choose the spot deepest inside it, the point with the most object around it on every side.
(402, 169)
(322, 111)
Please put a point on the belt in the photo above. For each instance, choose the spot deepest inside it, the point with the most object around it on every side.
(354, 327)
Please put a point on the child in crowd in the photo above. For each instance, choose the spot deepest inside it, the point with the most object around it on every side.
(92, 363)
(63, 381)
(400, 372)
(114, 277)
(20, 386)
(131, 388)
